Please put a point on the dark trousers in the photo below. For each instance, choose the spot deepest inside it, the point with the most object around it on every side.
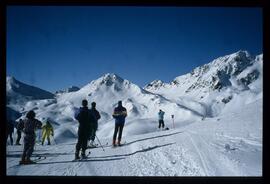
(10, 137)
(19, 135)
(82, 141)
(120, 128)
(160, 123)
(93, 133)
(29, 143)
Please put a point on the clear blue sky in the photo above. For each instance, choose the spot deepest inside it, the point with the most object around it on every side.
(56, 47)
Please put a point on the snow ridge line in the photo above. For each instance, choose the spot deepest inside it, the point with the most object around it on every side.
(199, 153)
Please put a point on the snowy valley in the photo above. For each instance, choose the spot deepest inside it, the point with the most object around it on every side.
(216, 130)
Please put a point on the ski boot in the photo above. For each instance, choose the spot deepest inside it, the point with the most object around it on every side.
(113, 143)
(28, 161)
(83, 155)
(22, 162)
(77, 156)
(119, 143)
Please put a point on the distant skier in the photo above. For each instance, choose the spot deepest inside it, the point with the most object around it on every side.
(19, 132)
(96, 115)
(47, 131)
(28, 127)
(161, 118)
(9, 131)
(119, 114)
(85, 119)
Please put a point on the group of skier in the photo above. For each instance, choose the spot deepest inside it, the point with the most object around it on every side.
(88, 125)
(47, 131)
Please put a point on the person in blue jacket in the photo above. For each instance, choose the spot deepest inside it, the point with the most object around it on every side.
(161, 118)
(119, 114)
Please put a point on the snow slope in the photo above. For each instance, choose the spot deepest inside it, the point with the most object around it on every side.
(208, 88)
(142, 107)
(218, 123)
(227, 145)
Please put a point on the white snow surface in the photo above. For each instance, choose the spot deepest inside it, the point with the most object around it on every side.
(227, 145)
(217, 129)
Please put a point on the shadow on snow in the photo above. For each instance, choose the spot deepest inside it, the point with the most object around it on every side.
(139, 151)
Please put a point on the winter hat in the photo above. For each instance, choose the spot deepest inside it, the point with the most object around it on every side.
(93, 104)
(31, 114)
(120, 103)
(84, 103)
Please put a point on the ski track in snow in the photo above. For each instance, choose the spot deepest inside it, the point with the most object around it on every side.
(165, 153)
(201, 148)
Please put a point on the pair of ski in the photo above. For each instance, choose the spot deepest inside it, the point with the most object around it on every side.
(82, 158)
(117, 145)
(34, 161)
(98, 146)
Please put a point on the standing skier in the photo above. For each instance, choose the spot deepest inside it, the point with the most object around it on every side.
(9, 131)
(119, 114)
(19, 133)
(28, 126)
(47, 131)
(161, 118)
(85, 119)
(96, 115)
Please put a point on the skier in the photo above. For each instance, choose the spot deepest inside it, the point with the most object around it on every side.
(28, 127)
(96, 115)
(19, 133)
(47, 131)
(119, 114)
(9, 131)
(161, 118)
(85, 119)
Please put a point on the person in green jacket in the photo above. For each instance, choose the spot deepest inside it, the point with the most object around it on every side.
(47, 131)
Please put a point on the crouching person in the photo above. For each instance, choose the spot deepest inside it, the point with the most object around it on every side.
(28, 127)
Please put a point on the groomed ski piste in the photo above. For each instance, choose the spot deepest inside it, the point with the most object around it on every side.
(228, 145)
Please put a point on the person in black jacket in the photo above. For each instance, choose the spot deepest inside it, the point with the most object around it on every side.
(96, 115)
(9, 131)
(28, 126)
(119, 114)
(19, 133)
(86, 120)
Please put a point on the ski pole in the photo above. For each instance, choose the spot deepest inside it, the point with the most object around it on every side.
(173, 121)
(54, 140)
(100, 143)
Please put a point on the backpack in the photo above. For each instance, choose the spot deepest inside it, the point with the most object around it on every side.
(85, 118)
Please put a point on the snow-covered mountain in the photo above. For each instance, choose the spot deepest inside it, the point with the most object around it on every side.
(216, 82)
(18, 92)
(217, 129)
(205, 92)
(237, 70)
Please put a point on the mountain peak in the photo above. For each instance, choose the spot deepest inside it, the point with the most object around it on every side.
(112, 76)
(154, 84)
(243, 54)
(10, 79)
(108, 79)
(16, 90)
